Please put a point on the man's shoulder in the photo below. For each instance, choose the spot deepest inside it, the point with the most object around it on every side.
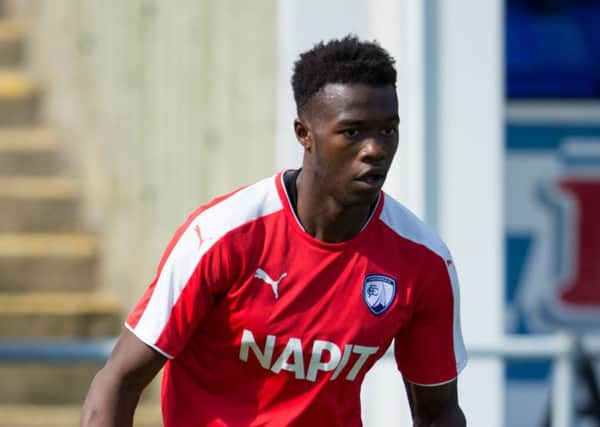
(261, 194)
(405, 224)
(238, 207)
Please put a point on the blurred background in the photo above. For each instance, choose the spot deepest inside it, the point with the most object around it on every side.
(118, 118)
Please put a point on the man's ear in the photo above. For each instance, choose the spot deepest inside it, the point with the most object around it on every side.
(303, 134)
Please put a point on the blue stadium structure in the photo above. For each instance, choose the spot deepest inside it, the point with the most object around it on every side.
(552, 49)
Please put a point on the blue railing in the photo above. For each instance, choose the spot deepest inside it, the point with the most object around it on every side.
(57, 351)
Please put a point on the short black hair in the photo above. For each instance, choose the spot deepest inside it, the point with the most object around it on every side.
(346, 60)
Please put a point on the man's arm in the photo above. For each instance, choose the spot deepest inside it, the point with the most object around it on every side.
(116, 388)
(435, 406)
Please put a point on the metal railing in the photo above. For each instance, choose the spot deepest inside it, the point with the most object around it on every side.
(59, 351)
(562, 348)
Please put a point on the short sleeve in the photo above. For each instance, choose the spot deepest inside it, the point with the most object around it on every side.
(429, 349)
(183, 290)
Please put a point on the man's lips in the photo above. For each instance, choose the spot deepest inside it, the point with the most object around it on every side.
(371, 177)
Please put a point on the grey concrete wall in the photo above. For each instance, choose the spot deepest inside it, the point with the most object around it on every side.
(164, 105)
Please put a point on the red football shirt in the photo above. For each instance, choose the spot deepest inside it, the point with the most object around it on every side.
(266, 326)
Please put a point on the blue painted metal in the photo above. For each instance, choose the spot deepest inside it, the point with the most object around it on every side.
(71, 351)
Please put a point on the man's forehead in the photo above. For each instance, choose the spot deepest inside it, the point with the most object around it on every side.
(352, 101)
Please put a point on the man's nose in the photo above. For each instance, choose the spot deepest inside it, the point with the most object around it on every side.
(373, 149)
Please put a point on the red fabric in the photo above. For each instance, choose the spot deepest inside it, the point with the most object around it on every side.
(424, 340)
(309, 339)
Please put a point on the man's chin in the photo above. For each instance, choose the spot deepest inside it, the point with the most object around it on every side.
(363, 198)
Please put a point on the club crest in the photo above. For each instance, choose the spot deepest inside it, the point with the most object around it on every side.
(378, 293)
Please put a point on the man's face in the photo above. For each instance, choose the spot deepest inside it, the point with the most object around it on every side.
(350, 139)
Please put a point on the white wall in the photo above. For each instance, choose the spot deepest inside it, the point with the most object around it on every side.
(469, 215)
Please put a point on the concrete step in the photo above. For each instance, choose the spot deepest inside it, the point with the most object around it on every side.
(147, 415)
(47, 262)
(53, 315)
(19, 99)
(30, 151)
(12, 43)
(38, 204)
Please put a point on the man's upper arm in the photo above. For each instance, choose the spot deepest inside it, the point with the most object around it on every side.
(133, 362)
(115, 390)
(435, 405)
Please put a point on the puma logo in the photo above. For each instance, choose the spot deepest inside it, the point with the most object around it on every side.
(199, 234)
(262, 275)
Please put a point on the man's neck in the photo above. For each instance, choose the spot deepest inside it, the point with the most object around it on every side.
(324, 217)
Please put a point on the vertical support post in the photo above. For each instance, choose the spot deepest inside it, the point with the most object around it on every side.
(563, 385)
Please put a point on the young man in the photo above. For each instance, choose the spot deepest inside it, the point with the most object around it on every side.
(272, 302)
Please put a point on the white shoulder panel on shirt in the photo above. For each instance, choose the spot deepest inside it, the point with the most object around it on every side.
(406, 224)
(245, 205)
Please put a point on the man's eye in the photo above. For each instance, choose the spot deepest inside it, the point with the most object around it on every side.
(351, 133)
(389, 131)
